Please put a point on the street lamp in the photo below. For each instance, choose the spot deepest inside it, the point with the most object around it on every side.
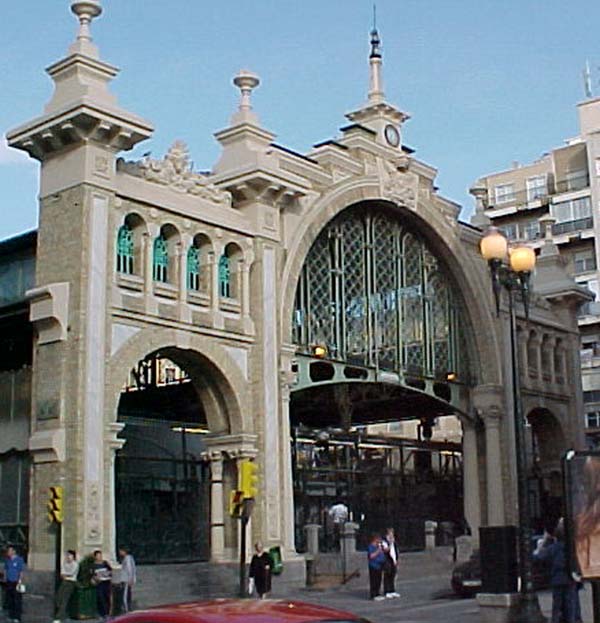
(511, 269)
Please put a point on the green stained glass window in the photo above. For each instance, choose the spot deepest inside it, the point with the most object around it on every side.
(161, 259)
(125, 250)
(224, 276)
(193, 268)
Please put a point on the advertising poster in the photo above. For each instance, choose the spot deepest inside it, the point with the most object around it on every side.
(582, 497)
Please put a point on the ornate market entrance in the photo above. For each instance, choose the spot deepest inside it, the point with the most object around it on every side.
(381, 340)
(162, 484)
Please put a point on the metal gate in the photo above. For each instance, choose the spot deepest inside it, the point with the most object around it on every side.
(162, 508)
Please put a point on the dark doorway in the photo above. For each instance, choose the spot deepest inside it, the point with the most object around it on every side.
(162, 485)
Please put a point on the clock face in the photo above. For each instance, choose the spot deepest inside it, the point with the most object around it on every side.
(392, 135)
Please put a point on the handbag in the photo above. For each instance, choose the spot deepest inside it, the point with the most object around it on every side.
(251, 586)
(21, 588)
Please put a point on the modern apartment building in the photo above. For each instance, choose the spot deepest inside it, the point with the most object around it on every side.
(558, 197)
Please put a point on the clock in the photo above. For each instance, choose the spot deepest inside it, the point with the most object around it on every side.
(392, 135)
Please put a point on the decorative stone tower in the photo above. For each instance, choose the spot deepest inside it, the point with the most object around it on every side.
(76, 140)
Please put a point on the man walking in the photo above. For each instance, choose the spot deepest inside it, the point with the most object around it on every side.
(128, 576)
(13, 574)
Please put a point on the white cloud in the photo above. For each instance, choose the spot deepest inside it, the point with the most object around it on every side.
(8, 155)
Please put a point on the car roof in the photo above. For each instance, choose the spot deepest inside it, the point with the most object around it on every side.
(234, 610)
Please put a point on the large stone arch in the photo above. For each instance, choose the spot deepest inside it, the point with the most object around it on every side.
(225, 395)
(445, 241)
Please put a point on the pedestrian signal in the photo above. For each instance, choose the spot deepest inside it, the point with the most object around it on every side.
(55, 505)
(248, 479)
(235, 503)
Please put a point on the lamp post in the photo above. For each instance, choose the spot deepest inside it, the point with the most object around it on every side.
(511, 270)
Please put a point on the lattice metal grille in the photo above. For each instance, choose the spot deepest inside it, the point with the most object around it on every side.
(385, 246)
(440, 323)
(411, 295)
(355, 292)
(375, 295)
(321, 312)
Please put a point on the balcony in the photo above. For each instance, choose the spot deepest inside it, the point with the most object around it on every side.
(571, 226)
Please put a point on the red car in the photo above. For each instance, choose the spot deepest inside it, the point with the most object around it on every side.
(240, 611)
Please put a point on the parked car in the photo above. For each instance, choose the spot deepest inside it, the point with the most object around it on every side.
(240, 611)
(466, 576)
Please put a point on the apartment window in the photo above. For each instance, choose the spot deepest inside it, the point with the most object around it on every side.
(510, 231)
(592, 419)
(536, 187)
(572, 210)
(576, 180)
(531, 230)
(584, 261)
(505, 193)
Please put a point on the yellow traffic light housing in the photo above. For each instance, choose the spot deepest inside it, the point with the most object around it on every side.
(248, 479)
(55, 505)
(235, 503)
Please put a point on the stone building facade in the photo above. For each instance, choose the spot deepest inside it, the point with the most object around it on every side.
(207, 270)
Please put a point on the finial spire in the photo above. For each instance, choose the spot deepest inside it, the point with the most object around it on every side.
(85, 11)
(245, 81)
(376, 95)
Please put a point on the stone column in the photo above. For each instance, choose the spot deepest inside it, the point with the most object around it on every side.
(288, 519)
(115, 443)
(493, 464)
(185, 314)
(488, 402)
(471, 494)
(217, 519)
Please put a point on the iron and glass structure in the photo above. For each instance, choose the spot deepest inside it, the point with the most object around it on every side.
(374, 294)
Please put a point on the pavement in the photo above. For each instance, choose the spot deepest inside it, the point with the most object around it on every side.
(427, 599)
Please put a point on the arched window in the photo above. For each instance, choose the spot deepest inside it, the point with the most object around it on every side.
(161, 259)
(193, 268)
(224, 276)
(125, 249)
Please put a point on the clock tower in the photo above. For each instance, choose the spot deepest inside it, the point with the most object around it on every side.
(377, 115)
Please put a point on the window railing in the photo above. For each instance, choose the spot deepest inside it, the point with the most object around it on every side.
(569, 226)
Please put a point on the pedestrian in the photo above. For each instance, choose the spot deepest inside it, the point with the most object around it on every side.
(392, 561)
(376, 557)
(564, 588)
(101, 579)
(260, 572)
(68, 578)
(14, 566)
(338, 513)
(128, 576)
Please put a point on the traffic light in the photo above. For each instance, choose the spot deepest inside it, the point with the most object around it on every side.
(248, 479)
(55, 505)
(235, 503)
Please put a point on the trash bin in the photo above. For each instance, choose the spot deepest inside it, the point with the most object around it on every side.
(275, 554)
(82, 604)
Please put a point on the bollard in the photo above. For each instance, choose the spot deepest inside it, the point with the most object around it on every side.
(430, 528)
(312, 538)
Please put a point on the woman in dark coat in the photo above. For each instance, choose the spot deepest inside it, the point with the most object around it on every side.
(260, 571)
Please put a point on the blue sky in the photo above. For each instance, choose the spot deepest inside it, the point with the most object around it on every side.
(487, 82)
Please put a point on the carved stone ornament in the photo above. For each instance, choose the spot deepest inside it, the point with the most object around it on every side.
(399, 186)
(175, 171)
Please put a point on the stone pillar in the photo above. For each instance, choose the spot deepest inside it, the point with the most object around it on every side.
(185, 314)
(488, 401)
(217, 505)
(288, 519)
(430, 528)
(493, 464)
(471, 493)
(312, 538)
